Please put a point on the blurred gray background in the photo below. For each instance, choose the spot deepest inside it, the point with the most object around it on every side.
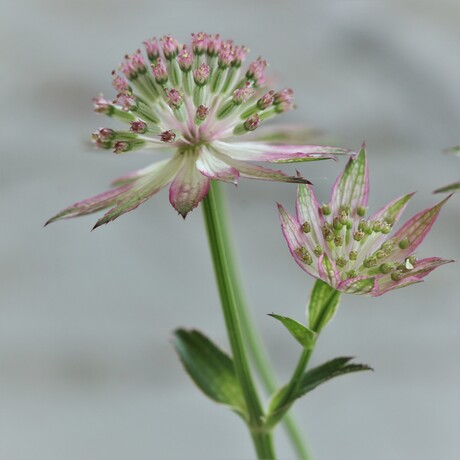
(87, 370)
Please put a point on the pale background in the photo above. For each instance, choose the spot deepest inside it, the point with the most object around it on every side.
(87, 370)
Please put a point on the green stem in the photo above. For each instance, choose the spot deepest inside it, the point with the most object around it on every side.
(294, 383)
(251, 335)
(220, 256)
(291, 388)
(263, 443)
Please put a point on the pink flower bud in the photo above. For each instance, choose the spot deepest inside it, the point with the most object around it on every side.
(170, 46)
(252, 122)
(214, 43)
(167, 136)
(138, 127)
(121, 146)
(120, 83)
(241, 95)
(266, 100)
(284, 100)
(239, 53)
(202, 112)
(199, 43)
(256, 71)
(185, 59)
(173, 98)
(127, 101)
(201, 75)
(226, 57)
(152, 49)
(160, 72)
(102, 105)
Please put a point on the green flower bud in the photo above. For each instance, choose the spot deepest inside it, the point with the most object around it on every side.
(305, 227)
(327, 233)
(352, 274)
(338, 241)
(341, 262)
(397, 276)
(369, 262)
(358, 235)
(345, 210)
(325, 209)
(386, 268)
(404, 244)
(387, 247)
(344, 215)
(376, 225)
(364, 226)
(318, 251)
(389, 220)
(386, 228)
(337, 224)
(304, 255)
(361, 211)
(353, 255)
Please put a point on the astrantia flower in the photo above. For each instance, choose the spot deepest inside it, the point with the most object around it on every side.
(337, 244)
(197, 100)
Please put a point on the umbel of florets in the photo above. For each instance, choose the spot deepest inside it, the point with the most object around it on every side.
(197, 100)
(175, 83)
(337, 244)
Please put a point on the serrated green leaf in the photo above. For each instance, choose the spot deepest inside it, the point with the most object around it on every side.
(309, 381)
(324, 301)
(305, 336)
(327, 371)
(210, 368)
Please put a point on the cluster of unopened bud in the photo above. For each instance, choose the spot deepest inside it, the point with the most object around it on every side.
(198, 81)
(338, 229)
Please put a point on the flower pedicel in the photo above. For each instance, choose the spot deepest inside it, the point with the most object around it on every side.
(336, 244)
(195, 100)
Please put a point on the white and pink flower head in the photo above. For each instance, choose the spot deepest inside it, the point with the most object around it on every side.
(336, 244)
(195, 100)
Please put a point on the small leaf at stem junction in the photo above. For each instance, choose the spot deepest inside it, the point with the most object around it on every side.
(210, 368)
(305, 336)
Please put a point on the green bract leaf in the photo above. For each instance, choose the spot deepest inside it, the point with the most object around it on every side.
(455, 150)
(351, 189)
(306, 337)
(309, 381)
(455, 187)
(323, 304)
(210, 368)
